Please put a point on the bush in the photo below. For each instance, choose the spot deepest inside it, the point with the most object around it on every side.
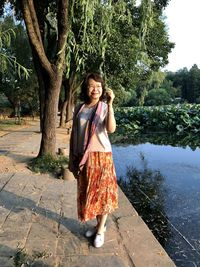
(169, 118)
(48, 164)
(158, 97)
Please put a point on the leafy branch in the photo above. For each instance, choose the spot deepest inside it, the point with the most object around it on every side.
(12, 61)
(6, 60)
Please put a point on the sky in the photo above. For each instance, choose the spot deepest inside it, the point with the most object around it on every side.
(183, 22)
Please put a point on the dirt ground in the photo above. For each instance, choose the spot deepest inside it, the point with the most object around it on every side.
(19, 163)
(8, 165)
(11, 129)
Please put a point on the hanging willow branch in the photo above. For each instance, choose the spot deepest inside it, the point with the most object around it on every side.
(147, 20)
(5, 37)
(105, 31)
(89, 33)
(7, 61)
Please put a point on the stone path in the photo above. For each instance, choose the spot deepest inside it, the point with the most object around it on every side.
(38, 218)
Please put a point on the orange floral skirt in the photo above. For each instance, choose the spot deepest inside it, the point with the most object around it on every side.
(97, 192)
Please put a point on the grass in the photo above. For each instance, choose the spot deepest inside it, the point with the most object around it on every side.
(22, 258)
(48, 164)
(7, 124)
(4, 124)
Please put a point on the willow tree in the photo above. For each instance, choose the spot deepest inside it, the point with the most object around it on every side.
(153, 42)
(52, 70)
(137, 45)
(87, 42)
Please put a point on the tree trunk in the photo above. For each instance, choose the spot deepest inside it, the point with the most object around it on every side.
(67, 108)
(74, 83)
(41, 83)
(63, 114)
(48, 142)
(70, 106)
(66, 112)
(64, 105)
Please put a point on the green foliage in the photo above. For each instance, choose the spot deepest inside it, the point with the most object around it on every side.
(121, 53)
(156, 79)
(105, 36)
(187, 82)
(48, 163)
(6, 124)
(124, 42)
(17, 88)
(147, 20)
(169, 118)
(158, 97)
(8, 60)
(129, 64)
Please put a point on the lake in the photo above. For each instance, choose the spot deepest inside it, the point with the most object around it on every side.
(163, 184)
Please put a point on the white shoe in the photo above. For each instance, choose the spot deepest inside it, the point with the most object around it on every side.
(99, 240)
(91, 232)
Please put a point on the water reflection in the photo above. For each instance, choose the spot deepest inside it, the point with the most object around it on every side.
(175, 140)
(145, 190)
(165, 191)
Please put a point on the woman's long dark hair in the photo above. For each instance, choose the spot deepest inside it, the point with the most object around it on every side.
(84, 87)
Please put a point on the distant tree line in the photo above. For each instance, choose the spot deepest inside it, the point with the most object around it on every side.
(164, 88)
(187, 83)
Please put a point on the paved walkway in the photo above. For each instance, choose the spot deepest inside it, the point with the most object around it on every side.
(38, 219)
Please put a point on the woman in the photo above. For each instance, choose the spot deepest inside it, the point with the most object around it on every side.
(91, 155)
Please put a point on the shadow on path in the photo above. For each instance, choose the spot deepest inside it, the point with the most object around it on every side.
(17, 203)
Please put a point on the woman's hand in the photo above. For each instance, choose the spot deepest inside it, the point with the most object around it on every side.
(111, 123)
(110, 96)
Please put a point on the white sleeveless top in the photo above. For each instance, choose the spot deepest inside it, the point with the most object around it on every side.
(100, 140)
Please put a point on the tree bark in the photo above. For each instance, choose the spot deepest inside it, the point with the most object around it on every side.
(70, 85)
(67, 108)
(63, 114)
(70, 106)
(66, 86)
(40, 78)
(48, 141)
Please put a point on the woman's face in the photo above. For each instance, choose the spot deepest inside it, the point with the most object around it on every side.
(94, 90)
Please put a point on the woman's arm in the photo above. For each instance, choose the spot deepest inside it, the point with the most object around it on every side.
(111, 122)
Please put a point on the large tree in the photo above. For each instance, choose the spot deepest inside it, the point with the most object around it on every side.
(49, 67)
(51, 70)
(138, 46)
(118, 44)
